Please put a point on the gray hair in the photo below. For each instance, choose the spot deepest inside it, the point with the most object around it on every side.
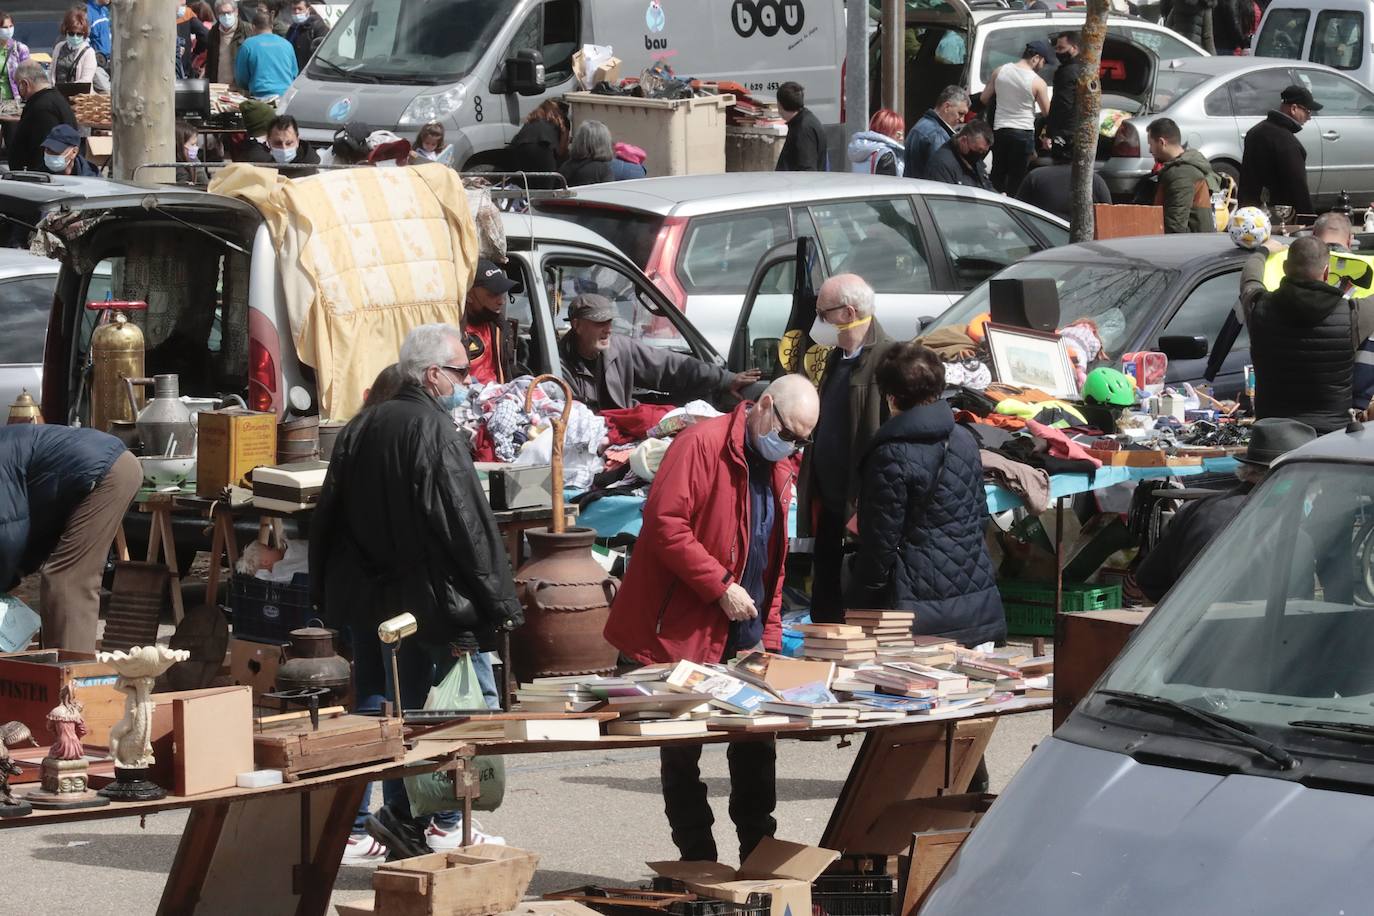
(848, 289)
(232, 4)
(428, 345)
(956, 94)
(1251, 474)
(591, 140)
(1332, 223)
(32, 72)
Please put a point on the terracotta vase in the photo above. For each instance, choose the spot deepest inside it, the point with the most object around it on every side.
(567, 598)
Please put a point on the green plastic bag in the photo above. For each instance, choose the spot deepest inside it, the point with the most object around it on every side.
(431, 793)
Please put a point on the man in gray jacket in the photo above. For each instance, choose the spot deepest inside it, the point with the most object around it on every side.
(604, 369)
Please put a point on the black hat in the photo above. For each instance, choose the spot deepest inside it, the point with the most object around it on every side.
(1273, 437)
(492, 278)
(591, 307)
(1300, 95)
(1039, 47)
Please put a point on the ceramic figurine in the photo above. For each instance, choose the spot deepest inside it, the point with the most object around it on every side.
(131, 739)
(12, 734)
(64, 769)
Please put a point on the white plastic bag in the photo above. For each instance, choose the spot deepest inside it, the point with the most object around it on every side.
(586, 62)
(18, 624)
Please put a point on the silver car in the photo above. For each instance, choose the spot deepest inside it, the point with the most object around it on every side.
(26, 287)
(1216, 100)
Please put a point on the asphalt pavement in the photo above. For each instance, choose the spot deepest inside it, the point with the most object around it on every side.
(591, 816)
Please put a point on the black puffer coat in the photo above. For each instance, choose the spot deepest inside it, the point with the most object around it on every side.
(1303, 339)
(927, 555)
(45, 471)
(402, 525)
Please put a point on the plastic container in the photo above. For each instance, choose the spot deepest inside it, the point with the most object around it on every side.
(1030, 605)
(269, 610)
(853, 895)
(756, 905)
(753, 149)
(679, 136)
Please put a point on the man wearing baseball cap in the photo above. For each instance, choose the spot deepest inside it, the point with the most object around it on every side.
(61, 153)
(1019, 92)
(1274, 160)
(604, 369)
(491, 339)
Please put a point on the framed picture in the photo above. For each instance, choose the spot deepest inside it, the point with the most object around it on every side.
(1032, 359)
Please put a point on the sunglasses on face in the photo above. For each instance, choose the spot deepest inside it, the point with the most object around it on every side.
(463, 372)
(786, 435)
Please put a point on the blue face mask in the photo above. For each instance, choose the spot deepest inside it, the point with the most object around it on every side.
(228, 21)
(57, 164)
(75, 41)
(454, 399)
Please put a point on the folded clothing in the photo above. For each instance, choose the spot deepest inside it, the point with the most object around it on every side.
(1031, 484)
(632, 424)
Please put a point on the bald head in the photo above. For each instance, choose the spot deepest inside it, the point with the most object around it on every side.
(1334, 229)
(796, 400)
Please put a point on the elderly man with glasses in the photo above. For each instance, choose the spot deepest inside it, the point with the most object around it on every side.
(705, 583)
(403, 526)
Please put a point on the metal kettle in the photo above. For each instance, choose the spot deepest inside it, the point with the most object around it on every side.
(313, 663)
(164, 426)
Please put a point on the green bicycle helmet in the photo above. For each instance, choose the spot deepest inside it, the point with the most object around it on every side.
(1106, 387)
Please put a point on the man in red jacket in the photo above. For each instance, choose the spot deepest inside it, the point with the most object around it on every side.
(706, 582)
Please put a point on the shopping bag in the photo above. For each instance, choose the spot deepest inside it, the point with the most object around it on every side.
(18, 624)
(433, 792)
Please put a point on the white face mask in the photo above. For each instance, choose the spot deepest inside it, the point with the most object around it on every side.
(192, 152)
(6, 34)
(228, 21)
(431, 155)
(284, 155)
(299, 18)
(181, 11)
(827, 335)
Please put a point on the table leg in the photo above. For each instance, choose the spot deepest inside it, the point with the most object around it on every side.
(121, 545)
(1058, 557)
(162, 519)
(221, 543)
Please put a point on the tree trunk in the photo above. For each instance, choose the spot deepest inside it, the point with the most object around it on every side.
(142, 97)
(1082, 227)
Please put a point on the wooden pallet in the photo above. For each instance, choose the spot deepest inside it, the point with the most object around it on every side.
(342, 740)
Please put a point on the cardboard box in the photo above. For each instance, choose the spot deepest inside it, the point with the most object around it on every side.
(527, 487)
(1115, 221)
(202, 739)
(775, 867)
(31, 682)
(229, 444)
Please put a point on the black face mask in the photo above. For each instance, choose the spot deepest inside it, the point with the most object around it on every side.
(1064, 57)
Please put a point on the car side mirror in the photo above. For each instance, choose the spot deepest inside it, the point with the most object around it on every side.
(525, 72)
(1183, 346)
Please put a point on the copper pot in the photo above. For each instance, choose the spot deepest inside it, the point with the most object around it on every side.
(313, 662)
(567, 598)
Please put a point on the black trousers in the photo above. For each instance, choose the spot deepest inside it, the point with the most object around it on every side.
(1011, 153)
(753, 797)
(827, 568)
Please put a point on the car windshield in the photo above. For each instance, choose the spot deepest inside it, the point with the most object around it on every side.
(408, 41)
(1273, 622)
(1172, 85)
(1004, 45)
(1119, 298)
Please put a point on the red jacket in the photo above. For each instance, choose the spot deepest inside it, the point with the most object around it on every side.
(693, 544)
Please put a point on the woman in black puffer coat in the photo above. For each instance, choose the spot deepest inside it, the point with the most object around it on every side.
(922, 510)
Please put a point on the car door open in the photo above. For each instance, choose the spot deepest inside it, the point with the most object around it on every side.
(778, 309)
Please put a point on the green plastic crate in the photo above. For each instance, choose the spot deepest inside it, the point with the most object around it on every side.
(1030, 605)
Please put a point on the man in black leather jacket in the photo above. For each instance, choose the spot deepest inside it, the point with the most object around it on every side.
(403, 526)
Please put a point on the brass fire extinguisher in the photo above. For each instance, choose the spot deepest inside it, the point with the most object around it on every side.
(116, 354)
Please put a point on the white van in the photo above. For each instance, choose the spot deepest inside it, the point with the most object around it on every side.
(1332, 32)
(480, 66)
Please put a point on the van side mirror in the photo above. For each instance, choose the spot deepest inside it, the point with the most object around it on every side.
(525, 72)
(1182, 346)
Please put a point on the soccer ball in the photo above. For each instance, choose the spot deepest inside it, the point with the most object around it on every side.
(1249, 227)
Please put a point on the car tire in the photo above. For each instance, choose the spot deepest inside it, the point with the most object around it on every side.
(1227, 167)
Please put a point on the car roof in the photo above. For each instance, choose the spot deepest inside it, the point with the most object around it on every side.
(1352, 445)
(697, 195)
(1223, 64)
(986, 18)
(1180, 251)
(16, 262)
(521, 227)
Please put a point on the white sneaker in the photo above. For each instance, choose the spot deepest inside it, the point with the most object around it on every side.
(363, 850)
(441, 840)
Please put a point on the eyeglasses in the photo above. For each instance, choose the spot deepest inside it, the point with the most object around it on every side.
(833, 308)
(786, 435)
(463, 372)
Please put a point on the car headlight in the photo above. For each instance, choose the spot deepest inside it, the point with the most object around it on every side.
(433, 107)
(285, 98)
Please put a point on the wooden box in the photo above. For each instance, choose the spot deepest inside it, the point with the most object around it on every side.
(474, 881)
(297, 749)
(1087, 643)
(31, 682)
(1115, 221)
(202, 739)
(229, 444)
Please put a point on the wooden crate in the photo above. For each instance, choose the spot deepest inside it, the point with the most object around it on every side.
(1087, 644)
(473, 881)
(1116, 221)
(31, 682)
(341, 741)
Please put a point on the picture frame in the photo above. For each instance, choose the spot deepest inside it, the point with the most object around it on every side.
(1032, 359)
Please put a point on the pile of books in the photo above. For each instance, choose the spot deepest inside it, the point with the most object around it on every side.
(837, 642)
(891, 629)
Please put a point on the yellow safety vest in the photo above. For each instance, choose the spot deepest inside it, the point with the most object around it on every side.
(1345, 265)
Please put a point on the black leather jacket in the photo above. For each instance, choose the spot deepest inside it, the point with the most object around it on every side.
(403, 525)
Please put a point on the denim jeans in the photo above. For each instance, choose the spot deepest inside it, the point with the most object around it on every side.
(421, 667)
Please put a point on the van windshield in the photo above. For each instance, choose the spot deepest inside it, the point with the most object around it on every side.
(408, 41)
(1273, 622)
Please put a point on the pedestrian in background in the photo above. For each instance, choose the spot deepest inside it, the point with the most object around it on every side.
(73, 58)
(1193, 20)
(922, 509)
(430, 145)
(961, 160)
(628, 163)
(44, 109)
(1233, 22)
(62, 153)
(589, 156)
(402, 525)
(495, 350)
(266, 63)
(98, 17)
(805, 149)
(934, 129)
(541, 144)
(307, 30)
(63, 494)
(12, 54)
(852, 409)
(257, 120)
(228, 35)
(1019, 92)
(879, 150)
(188, 151)
(192, 37)
(285, 146)
(1063, 114)
(1273, 164)
(1186, 180)
(706, 583)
